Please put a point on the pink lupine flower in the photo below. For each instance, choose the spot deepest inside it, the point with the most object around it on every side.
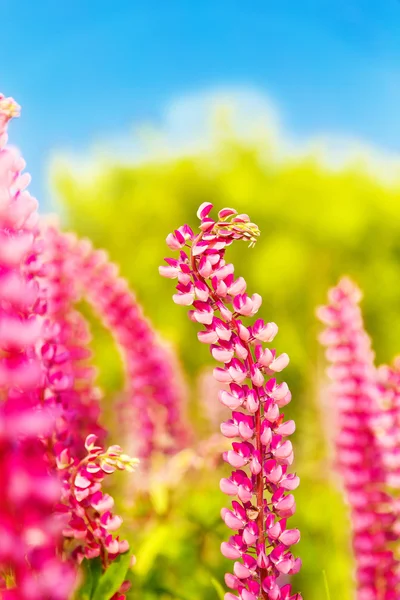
(66, 352)
(387, 422)
(87, 510)
(48, 406)
(360, 456)
(29, 534)
(91, 522)
(154, 386)
(261, 457)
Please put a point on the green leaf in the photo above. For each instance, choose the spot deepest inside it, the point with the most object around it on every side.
(91, 571)
(110, 582)
(328, 595)
(218, 588)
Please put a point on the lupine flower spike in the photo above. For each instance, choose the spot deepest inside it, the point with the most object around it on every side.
(53, 511)
(360, 453)
(157, 397)
(262, 453)
(66, 351)
(29, 534)
(387, 425)
(91, 521)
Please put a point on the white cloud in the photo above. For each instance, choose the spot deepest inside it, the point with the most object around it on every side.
(245, 110)
(190, 124)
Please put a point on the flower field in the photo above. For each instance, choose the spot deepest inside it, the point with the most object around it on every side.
(250, 451)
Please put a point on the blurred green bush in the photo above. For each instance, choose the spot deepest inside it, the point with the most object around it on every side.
(316, 225)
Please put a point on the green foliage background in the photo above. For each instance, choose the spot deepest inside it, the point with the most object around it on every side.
(316, 225)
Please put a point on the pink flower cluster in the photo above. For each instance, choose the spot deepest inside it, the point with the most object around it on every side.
(29, 534)
(367, 441)
(74, 399)
(54, 511)
(261, 456)
(387, 423)
(65, 353)
(155, 391)
(91, 522)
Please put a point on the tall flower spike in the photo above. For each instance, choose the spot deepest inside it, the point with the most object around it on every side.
(387, 423)
(262, 453)
(29, 534)
(157, 395)
(66, 352)
(359, 452)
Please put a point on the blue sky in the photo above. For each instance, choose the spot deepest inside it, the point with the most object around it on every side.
(85, 70)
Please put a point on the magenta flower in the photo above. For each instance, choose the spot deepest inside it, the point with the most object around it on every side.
(260, 545)
(30, 537)
(66, 354)
(362, 459)
(86, 510)
(51, 480)
(387, 422)
(157, 395)
(91, 523)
